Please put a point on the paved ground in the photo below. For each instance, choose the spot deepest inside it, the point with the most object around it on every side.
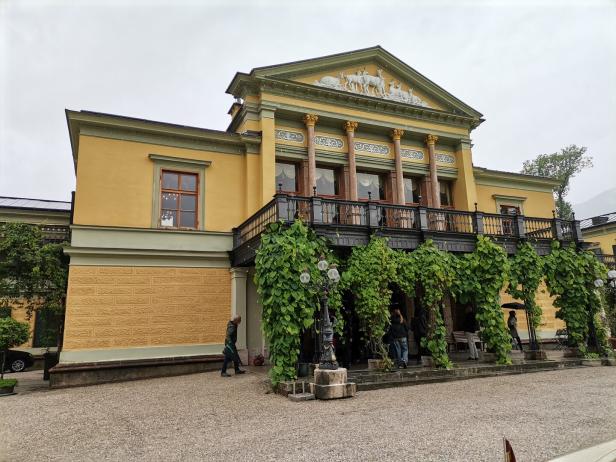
(206, 417)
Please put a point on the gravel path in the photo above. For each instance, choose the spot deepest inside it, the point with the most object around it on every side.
(206, 417)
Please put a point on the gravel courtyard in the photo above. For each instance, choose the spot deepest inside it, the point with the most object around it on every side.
(209, 418)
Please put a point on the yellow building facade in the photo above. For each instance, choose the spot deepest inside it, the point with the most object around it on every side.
(165, 216)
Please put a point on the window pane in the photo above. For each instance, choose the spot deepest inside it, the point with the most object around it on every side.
(409, 186)
(445, 193)
(187, 219)
(327, 183)
(170, 180)
(168, 218)
(369, 183)
(286, 175)
(169, 201)
(189, 182)
(188, 202)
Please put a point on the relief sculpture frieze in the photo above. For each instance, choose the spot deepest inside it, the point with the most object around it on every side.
(445, 158)
(361, 82)
(328, 141)
(411, 154)
(372, 148)
(289, 136)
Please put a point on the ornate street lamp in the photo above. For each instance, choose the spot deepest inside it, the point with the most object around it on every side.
(330, 277)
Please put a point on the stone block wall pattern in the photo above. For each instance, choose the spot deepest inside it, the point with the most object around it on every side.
(124, 307)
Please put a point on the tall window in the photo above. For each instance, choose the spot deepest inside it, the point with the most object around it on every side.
(370, 183)
(327, 181)
(411, 190)
(445, 188)
(286, 177)
(178, 199)
(509, 210)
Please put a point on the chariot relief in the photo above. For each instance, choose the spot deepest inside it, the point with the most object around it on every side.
(363, 83)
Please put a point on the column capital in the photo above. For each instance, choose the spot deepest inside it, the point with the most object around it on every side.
(238, 272)
(397, 133)
(431, 140)
(350, 126)
(310, 119)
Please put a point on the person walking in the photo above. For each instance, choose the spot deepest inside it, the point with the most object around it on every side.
(512, 324)
(399, 333)
(230, 350)
(470, 328)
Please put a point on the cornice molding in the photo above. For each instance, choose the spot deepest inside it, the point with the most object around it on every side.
(152, 132)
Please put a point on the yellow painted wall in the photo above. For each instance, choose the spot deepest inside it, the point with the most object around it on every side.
(115, 184)
(537, 204)
(549, 322)
(120, 307)
(606, 238)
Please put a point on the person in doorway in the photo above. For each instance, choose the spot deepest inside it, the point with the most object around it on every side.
(512, 324)
(399, 334)
(470, 328)
(230, 350)
(420, 330)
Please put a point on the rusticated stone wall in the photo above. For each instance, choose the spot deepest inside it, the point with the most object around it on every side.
(123, 307)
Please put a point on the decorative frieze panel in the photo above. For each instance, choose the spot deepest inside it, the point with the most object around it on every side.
(328, 141)
(372, 148)
(287, 135)
(445, 158)
(412, 154)
(363, 83)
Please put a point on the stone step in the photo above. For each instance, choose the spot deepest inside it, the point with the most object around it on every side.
(387, 380)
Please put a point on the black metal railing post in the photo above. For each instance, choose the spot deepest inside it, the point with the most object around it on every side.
(577, 231)
(282, 207)
(316, 216)
(423, 218)
(557, 229)
(520, 227)
(477, 221)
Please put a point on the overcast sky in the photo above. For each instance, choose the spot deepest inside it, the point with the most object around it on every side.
(542, 73)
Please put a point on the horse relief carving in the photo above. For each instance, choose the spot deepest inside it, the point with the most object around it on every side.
(363, 83)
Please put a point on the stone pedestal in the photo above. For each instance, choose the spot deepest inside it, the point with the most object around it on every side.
(536, 355)
(332, 384)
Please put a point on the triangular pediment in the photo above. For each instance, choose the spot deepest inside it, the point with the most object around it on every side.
(372, 72)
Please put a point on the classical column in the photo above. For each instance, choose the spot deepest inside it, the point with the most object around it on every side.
(310, 120)
(436, 196)
(396, 134)
(238, 307)
(350, 128)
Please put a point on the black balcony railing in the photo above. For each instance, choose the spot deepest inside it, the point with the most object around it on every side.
(408, 224)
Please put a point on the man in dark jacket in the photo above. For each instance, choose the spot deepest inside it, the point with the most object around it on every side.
(230, 350)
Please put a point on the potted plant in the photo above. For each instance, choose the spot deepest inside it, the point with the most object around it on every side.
(12, 333)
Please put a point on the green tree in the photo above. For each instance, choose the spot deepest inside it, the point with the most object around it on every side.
(525, 276)
(481, 276)
(33, 274)
(561, 166)
(570, 277)
(435, 274)
(288, 305)
(368, 273)
(12, 333)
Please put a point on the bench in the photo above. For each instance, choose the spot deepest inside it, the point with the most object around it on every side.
(459, 337)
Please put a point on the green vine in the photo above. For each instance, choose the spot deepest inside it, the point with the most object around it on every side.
(525, 276)
(288, 306)
(570, 277)
(481, 276)
(433, 270)
(368, 273)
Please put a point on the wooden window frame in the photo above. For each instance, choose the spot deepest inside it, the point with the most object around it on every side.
(179, 192)
(181, 165)
(417, 181)
(337, 180)
(296, 166)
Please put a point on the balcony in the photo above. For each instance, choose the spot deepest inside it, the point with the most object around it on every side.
(348, 224)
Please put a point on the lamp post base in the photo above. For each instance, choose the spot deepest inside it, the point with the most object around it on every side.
(332, 384)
